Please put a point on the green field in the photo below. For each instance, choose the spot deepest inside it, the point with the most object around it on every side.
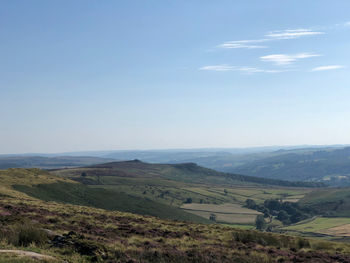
(225, 213)
(336, 227)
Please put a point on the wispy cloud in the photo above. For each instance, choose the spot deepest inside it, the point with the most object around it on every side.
(217, 68)
(292, 33)
(247, 70)
(347, 24)
(331, 67)
(249, 44)
(284, 59)
(272, 36)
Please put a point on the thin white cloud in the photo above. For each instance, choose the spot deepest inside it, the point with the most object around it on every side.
(247, 70)
(284, 59)
(292, 33)
(272, 36)
(240, 45)
(217, 68)
(331, 67)
(249, 44)
(347, 24)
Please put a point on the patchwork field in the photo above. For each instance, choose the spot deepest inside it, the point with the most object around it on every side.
(224, 213)
(338, 227)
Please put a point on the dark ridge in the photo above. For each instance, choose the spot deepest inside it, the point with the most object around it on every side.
(192, 171)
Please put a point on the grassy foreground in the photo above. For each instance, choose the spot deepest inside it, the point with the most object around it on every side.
(84, 234)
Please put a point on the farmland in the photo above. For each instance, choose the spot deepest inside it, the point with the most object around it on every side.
(334, 227)
(183, 186)
(225, 213)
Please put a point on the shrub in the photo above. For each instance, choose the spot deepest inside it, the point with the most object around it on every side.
(26, 234)
(303, 243)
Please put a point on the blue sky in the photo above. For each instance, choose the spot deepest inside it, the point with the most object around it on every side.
(91, 75)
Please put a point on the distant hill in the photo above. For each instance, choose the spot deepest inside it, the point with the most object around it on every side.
(49, 162)
(331, 166)
(186, 173)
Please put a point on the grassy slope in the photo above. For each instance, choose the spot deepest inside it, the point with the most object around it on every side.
(107, 236)
(39, 184)
(107, 199)
(332, 202)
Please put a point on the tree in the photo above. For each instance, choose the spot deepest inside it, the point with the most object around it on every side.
(250, 203)
(212, 217)
(260, 222)
(83, 174)
(283, 217)
(188, 200)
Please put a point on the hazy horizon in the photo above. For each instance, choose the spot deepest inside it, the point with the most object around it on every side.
(86, 76)
(203, 149)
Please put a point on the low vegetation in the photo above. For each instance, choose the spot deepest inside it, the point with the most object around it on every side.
(84, 234)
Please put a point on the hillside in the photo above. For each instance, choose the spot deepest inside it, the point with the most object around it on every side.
(59, 232)
(194, 189)
(331, 166)
(185, 173)
(49, 162)
(41, 185)
(331, 202)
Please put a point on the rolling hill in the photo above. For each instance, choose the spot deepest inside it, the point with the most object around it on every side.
(185, 173)
(43, 213)
(41, 185)
(331, 166)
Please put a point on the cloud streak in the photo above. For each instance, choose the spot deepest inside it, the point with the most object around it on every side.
(249, 44)
(284, 59)
(292, 34)
(247, 70)
(330, 67)
(272, 36)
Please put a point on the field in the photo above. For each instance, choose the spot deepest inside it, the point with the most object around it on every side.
(225, 213)
(335, 227)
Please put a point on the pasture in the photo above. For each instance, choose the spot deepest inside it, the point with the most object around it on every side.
(224, 213)
(338, 227)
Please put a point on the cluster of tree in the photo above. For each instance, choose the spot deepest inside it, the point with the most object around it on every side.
(286, 212)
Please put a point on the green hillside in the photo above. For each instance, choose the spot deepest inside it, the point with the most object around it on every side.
(184, 173)
(79, 194)
(331, 202)
(41, 185)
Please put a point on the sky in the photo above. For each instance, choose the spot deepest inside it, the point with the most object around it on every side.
(161, 74)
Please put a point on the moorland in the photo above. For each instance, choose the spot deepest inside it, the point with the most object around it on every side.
(132, 211)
